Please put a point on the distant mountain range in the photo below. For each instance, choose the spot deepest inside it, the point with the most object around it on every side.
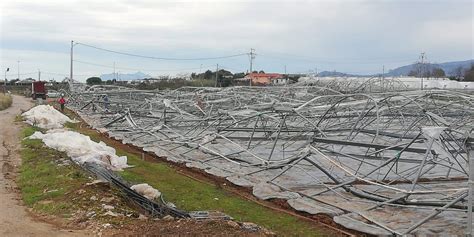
(449, 68)
(335, 74)
(124, 77)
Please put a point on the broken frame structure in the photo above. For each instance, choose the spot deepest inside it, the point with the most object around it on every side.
(375, 156)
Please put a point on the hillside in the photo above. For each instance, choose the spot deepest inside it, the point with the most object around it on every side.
(448, 67)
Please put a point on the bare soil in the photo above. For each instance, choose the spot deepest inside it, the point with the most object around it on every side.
(15, 219)
(186, 227)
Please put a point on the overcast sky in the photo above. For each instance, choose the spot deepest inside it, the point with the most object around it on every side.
(343, 35)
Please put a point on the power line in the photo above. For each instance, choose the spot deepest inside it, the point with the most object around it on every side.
(27, 73)
(65, 74)
(232, 68)
(52, 73)
(335, 61)
(160, 58)
(139, 69)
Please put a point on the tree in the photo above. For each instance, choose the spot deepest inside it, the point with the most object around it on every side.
(438, 73)
(94, 81)
(413, 73)
(469, 74)
(261, 71)
(239, 75)
(208, 74)
(458, 72)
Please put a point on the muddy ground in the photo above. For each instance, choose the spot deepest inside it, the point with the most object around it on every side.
(15, 219)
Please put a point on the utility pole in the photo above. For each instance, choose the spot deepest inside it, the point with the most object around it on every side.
(114, 73)
(382, 77)
(39, 75)
(383, 72)
(217, 72)
(422, 68)
(5, 82)
(72, 52)
(252, 57)
(18, 69)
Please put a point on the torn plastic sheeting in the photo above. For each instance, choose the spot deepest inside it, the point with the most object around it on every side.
(432, 132)
(81, 148)
(351, 223)
(196, 165)
(147, 191)
(45, 116)
(208, 138)
(218, 172)
(313, 207)
(266, 191)
(240, 181)
(167, 103)
(244, 112)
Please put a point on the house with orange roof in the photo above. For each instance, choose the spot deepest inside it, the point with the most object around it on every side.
(264, 78)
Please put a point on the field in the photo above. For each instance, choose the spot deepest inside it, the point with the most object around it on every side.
(5, 101)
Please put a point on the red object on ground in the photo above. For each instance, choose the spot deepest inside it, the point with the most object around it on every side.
(38, 90)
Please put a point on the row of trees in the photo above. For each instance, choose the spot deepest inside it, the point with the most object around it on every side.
(458, 74)
(421, 71)
(208, 78)
(469, 74)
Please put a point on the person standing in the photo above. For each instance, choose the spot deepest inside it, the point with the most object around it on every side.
(62, 101)
(106, 102)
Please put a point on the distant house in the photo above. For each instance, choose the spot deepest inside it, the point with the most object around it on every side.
(280, 81)
(265, 78)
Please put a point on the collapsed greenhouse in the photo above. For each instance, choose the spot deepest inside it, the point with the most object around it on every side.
(376, 156)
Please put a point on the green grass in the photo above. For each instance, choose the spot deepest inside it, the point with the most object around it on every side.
(41, 179)
(52, 189)
(5, 101)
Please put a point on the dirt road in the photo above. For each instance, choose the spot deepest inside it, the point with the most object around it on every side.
(14, 218)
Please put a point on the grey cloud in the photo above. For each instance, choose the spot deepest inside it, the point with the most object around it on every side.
(328, 30)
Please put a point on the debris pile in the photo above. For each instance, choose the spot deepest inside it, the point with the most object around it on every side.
(82, 149)
(357, 149)
(147, 191)
(45, 116)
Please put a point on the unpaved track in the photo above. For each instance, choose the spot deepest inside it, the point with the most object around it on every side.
(14, 218)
